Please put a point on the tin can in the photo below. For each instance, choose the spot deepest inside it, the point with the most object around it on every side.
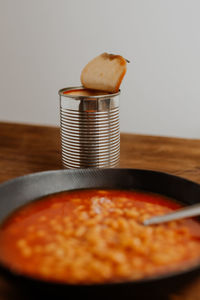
(90, 129)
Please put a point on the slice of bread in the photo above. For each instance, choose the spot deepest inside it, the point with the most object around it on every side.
(105, 72)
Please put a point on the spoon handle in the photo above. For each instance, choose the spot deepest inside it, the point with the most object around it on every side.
(189, 211)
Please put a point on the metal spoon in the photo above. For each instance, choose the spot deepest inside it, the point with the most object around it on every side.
(185, 212)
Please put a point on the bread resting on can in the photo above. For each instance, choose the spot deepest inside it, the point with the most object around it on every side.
(105, 72)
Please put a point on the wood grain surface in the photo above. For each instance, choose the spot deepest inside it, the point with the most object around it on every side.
(27, 149)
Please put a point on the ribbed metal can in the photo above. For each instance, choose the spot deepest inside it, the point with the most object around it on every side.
(90, 130)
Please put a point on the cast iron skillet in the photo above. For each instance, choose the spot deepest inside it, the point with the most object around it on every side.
(25, 189)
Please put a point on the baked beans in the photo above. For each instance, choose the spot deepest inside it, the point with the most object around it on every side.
(97, 236)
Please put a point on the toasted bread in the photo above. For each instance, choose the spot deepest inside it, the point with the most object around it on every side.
(105, 72)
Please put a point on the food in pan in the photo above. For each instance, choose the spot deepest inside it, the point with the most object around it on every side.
(105, 72)
(97, 236)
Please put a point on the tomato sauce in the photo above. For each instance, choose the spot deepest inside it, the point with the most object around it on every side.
(97, 236)
(85, 92)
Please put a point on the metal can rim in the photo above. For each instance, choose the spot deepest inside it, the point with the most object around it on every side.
(61, 93)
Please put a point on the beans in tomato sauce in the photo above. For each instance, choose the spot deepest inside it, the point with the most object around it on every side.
(97, 236)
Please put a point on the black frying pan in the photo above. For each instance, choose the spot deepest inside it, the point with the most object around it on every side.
(22, 190)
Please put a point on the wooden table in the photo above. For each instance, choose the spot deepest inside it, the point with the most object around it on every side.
(26, 149)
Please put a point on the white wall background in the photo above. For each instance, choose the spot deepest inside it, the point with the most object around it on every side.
(44, 44)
